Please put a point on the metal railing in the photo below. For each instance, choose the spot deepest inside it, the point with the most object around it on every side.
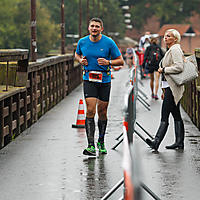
(191, 97)
(131, 181)
(47, 82)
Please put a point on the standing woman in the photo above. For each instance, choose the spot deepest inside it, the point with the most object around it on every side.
(172, 93)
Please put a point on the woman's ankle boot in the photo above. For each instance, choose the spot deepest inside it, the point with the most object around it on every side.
(154, 144)
(179, 134)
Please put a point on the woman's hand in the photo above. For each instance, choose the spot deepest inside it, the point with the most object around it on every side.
(162, 96)
(160, 70)
(163, 93)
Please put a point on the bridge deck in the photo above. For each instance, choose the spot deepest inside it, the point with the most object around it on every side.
(46, 162)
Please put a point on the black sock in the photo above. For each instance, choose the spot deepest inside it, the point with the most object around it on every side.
(90, 130)
(102, 124)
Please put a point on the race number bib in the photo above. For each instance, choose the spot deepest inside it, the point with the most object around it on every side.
(95, 76)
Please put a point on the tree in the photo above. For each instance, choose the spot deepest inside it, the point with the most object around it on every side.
(15, 21)
(109, 11)
(7, 25)
(15, 26)
(113, 17)
(167, 11)
(47, 31)
(22, 22)
(71, 14)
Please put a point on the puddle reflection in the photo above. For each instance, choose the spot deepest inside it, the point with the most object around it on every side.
(95, 177)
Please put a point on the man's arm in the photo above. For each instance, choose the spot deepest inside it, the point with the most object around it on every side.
(77, 57)
(80, 59)
(118, 61)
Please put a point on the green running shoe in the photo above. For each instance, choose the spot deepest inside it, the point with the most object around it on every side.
(90, 151)
(101, 148)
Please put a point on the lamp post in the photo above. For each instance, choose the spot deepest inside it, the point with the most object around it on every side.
(62, 28)
(33, 31)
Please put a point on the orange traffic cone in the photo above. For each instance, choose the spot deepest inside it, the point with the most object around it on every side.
(80, 122)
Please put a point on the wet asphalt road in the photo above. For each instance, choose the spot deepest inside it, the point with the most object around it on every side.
(171, 174)
(46, 163)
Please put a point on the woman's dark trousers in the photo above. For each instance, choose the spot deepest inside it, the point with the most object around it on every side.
(168, 107)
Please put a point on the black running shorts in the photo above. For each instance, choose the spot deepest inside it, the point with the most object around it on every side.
(153, 69)
(100, 91)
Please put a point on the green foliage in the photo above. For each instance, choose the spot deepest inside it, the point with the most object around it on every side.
(15, 18)
(140, 12)
(22, 21)
(54, 9)
(72, 16)
(7, 30)
(47, 30)
(15, 21)
(108, 10)
(113, 17)
(71, 13)
(15, 26)
(167, 11)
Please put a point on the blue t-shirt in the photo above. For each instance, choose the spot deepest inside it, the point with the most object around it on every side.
(104, 48)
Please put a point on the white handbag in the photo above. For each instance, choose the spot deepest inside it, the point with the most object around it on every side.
(189, 73)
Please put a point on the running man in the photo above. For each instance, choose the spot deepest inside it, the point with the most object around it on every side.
(97, 52)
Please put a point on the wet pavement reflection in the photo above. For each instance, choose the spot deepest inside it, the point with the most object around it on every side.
(171, 174)
(46, 161)
(95, 177)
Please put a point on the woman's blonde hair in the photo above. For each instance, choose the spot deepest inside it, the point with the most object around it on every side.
(175, 33)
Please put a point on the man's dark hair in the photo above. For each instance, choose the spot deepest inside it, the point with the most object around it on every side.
(96, 19)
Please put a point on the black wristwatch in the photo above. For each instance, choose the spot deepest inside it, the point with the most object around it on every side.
(110, 62)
